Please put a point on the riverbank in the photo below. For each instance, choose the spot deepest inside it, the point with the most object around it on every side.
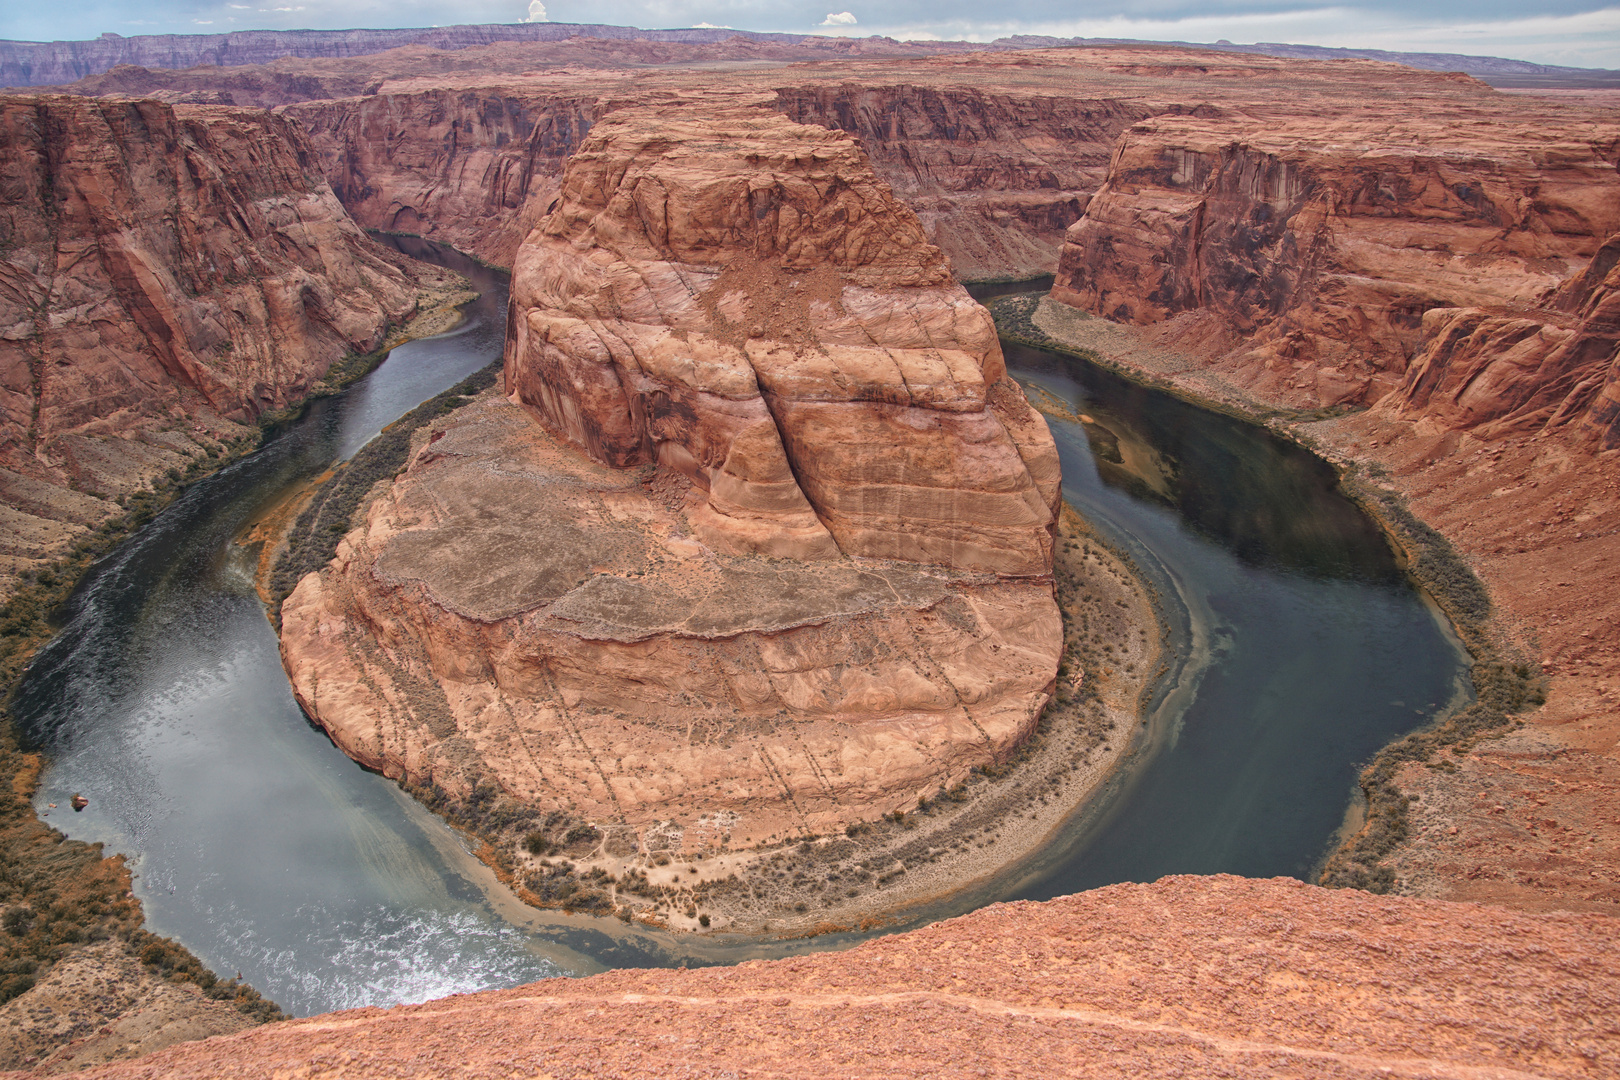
(1485, 528)
(962, 837)
(81, 981)
(950, 841)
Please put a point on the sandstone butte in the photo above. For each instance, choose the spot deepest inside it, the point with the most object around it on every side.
(1443, 261)
(761, 544)
(1191, 976)
(167, 274)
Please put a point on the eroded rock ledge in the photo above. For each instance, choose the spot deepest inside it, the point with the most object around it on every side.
(777, 557)
(1189, 976)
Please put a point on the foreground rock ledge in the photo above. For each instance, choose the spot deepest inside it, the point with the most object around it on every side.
(776, 557)
(1190, 976)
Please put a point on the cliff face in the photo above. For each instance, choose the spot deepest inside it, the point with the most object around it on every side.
(1196, 977)
(162, 264)
(1313, 247)
(995, 177)
(746, 303)
(472, 168)
(1554, 366)
(748, 366)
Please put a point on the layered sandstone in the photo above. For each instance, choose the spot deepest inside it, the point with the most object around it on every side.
(1300, 253)
(1496, 371)
(742, 300)
(471, 167)
(1193, 977)
(994, 176)
(777, 555)
(168, 274)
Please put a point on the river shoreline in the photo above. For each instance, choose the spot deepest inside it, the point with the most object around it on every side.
(1403, 842)
(873, 875)
(153, 990)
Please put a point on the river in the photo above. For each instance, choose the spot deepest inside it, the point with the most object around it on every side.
(1301, 649)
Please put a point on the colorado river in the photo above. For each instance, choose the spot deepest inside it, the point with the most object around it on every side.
(267, 852)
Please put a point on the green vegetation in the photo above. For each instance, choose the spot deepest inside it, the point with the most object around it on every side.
(1504, 685)
(313, 539)
(58, 894)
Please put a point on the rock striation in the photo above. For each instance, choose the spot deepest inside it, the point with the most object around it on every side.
(995, 176)
(1314, 245)
(1496, 371)
(1189, 976)
(162, 267)
(740, 299)
(471, 167)
(776, 557)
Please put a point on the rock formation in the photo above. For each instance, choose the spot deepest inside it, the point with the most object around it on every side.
(1313, 245)
(167, 271)
(1190, 976)
(994, 176)
(743, 301)
(778, 558)
(1496, 371)
(474, 168)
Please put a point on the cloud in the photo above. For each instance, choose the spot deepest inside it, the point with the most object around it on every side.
(842, 18)
(537, 12)
(709, 26)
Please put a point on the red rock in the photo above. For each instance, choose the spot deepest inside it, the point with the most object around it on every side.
(782, 563)
(1318, 240)
(163, 263)
(1197, 977)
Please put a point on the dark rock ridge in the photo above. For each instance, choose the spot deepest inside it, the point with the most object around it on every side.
(48, 63)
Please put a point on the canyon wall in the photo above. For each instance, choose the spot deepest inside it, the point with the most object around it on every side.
(168, 274)
(775, 559)
(473, 168)
(995, 177)
(1313, 247)
(1553, 366)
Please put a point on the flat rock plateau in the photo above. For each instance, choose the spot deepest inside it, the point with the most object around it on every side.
(1210, 976)
(1406, 270)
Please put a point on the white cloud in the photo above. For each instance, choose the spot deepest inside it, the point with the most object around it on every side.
(709, 26)
(537, 12)
(842, 18)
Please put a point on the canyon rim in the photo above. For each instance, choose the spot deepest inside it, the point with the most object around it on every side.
(753, 552)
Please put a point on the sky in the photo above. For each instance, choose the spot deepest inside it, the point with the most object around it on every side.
(1579, 33)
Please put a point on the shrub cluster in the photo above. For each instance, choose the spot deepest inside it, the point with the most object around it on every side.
(1504, 685)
